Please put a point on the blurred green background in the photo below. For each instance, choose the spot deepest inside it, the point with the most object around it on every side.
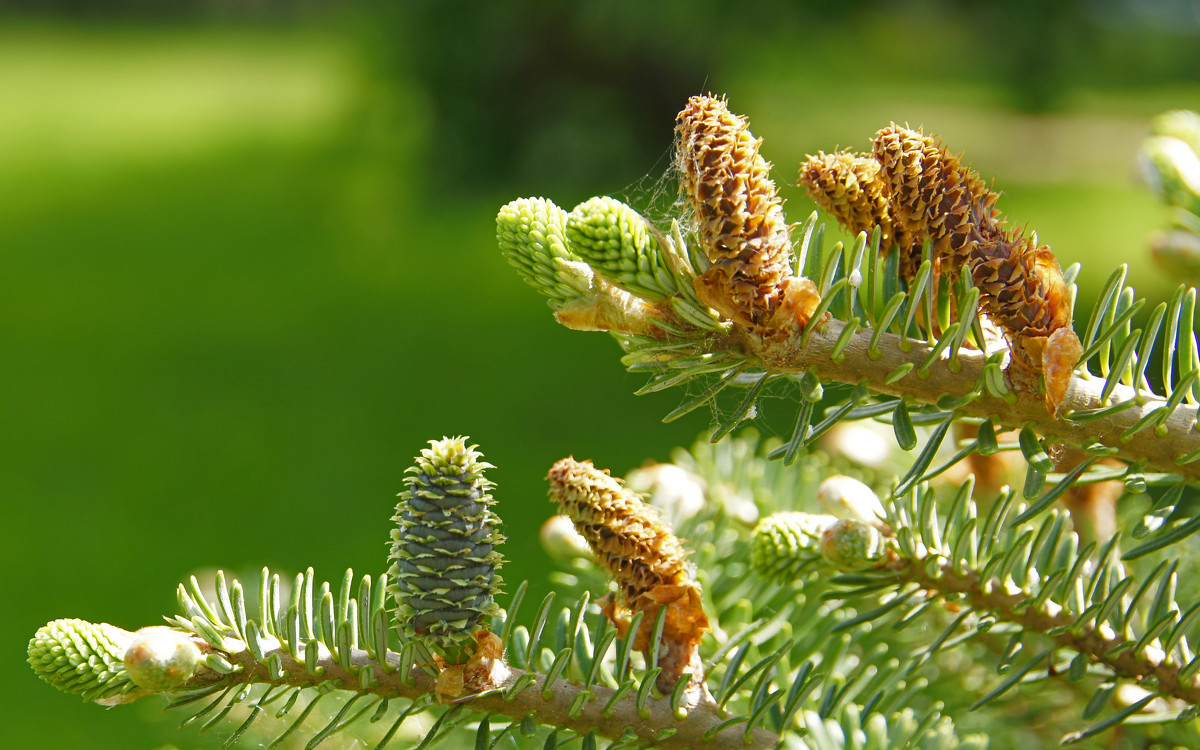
(249, 266)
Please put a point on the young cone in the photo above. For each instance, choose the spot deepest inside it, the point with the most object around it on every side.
(644, 558)
(740, 220)
(443, 550)
(84, 658)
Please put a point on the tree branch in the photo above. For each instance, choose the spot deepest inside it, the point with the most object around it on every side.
(656, 724)
(1083, 394)
(1100, 642)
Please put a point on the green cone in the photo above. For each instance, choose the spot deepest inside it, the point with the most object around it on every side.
(84, 658)
(617, 242)
(444, 555)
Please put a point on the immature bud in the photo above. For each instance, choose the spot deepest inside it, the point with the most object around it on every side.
(84, 658)
(643, 557)
(619, 244)
(853, 545)
(786, 544)
(848, 498)
(864, 442)
(443, 553)
(1171, 168)
(1177, 252)
(161, 658)
(561, 541)
(1179, 123)
(675, 491)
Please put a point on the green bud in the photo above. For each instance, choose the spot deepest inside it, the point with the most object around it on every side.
(1179, 123)
(532, 236)
(846, 497)
(680, 494)
(562, 542)
(1177, 252)
(84, 658)
(853, 545)
(619, 244)
(1171, 168)
(785, 544)
(161, 658)
(443, 553)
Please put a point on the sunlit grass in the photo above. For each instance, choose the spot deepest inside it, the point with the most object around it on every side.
(84, 98)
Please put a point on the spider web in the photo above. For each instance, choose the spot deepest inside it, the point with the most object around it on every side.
(658, 197)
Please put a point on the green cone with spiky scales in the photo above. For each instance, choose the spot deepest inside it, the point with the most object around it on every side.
(532, 233)
(788, 543)
(84, 658)
(617, 242)
(444, 555)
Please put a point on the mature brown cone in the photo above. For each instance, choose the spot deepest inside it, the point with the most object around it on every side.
(847, 186)
(932, 195)
(644, 558)
(738, 214)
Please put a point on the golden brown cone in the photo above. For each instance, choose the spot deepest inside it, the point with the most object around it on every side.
(846, 186)
(932, 195)
(644, 558)
(738, 214)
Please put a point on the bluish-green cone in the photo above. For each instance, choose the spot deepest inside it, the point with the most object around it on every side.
(443, 554)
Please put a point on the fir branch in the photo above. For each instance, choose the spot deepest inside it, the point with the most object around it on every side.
(1148, 665)
(556, 703)
(1004, 570)
(1083, 420)
(892, 330)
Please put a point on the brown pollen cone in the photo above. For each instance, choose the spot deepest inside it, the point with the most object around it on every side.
(644, 558)
(847, 186)
(932, 195)
(740, 219)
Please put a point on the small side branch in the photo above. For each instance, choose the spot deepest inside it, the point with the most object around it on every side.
(1179, 435)
(656, 723)
(1100, 642)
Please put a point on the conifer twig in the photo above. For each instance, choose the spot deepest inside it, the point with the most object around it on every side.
(1101, 644)
(1082, 395)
